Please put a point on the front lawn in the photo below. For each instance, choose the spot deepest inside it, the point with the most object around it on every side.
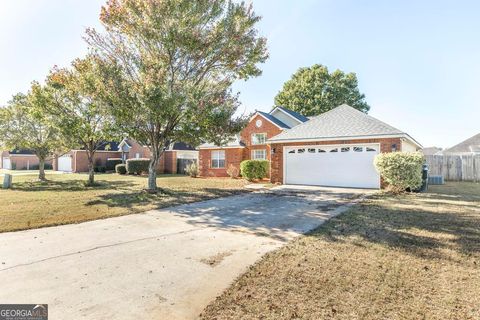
(414, 256)
(65, 199)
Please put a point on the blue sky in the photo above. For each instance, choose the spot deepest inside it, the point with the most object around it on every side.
(418, 62)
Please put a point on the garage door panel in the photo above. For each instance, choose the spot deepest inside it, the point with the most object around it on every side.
(65, 163)
(340, 169)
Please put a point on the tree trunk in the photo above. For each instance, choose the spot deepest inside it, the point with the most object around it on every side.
(91, 173)
(41, 169)
(152, 175)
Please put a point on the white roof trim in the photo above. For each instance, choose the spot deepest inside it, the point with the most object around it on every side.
(288, 114)
(380, 136)
(124, 141)
(217, 147)
(96, 151)
(257, 113)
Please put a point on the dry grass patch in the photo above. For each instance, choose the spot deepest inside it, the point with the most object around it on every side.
(413, 256)
(65, 198)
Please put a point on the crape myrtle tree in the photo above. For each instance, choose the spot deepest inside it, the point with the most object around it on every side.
(72, 100)
(24, 126)
(314, 90)
(168, 66)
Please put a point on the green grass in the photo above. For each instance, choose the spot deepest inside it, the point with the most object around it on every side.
(65, 198)
(413, 256)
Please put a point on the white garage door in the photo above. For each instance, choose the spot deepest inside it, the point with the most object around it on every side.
(6, 163)
(65, 163)
(337, 166)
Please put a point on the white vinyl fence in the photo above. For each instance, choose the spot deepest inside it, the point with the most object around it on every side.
(455, 167)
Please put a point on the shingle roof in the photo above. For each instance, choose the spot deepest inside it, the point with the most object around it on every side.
(233, 142)
(21, 151)
(274, 120)
(340, 122)
(470, 145)
(180, 146)
(431, 151)
(296, 115)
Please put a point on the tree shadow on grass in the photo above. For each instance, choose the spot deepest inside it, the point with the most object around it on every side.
(164, 198)
(71, 185)
(410, 224)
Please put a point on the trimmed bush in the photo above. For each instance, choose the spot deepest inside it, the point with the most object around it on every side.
(47, 166)
(100, 169)
(401, 170)
(121, 168)
(111, 163)
(254, 169)
(192, 169)
(137, 166)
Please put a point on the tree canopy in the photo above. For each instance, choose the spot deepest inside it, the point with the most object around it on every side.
(72, 101)
(24, 126)
(314, 90)
(168, 67)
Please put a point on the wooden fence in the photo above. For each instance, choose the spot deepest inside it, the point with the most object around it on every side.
(455, 167)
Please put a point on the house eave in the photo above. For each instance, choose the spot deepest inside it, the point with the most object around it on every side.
(218, 147)
(340, 138)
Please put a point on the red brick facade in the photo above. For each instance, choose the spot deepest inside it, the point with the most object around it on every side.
(276, 164)
(233, 156)
(80, 159)
(21, 161)
(169, 162)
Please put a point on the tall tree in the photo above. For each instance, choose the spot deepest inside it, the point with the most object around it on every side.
(312, 91)
(23, 126)
(71, 99)
(169, 66)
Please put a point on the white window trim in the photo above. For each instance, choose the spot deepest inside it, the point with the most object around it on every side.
(258, 133)
(219, 152)
(264, 153)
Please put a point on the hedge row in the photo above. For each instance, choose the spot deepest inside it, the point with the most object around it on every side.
(121, 168)
(137, 166)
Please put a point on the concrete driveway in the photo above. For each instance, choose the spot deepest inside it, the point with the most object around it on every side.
(163, 264)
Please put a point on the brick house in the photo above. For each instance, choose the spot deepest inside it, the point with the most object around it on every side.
(336, 148)
(20, 160)
(77, 160)
(250, 143)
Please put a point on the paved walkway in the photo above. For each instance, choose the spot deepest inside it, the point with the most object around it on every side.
(164, 264)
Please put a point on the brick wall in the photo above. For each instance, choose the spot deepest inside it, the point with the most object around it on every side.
(170, 161)
(233, 156)
(144, 152)
(276, 165)
(24, 162)
(80, 159)
(246, 136)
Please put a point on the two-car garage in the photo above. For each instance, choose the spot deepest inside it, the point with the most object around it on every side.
(332, 165)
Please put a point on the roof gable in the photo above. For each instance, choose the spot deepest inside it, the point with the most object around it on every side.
(272, 119)
(472, 144)
(295, 115)
(340, 122)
